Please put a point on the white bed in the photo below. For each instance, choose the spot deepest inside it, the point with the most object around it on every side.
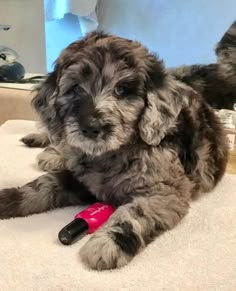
(199, 254)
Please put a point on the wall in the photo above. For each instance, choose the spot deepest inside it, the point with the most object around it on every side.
(27, 33)
(181, 31)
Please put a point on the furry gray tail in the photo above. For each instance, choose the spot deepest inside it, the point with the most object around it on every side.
(226, 49)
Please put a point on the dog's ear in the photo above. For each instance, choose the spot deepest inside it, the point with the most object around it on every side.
(44, 104)
(165, 99)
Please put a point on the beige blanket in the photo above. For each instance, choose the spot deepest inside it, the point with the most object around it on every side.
(199, 254)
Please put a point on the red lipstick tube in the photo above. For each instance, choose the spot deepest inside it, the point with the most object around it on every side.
(86, 221)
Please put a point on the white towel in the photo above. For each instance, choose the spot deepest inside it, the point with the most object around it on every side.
(199, 254)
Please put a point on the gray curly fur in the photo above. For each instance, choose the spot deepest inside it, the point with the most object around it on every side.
(129, 134)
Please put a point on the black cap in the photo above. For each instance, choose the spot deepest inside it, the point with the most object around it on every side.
(73, 231)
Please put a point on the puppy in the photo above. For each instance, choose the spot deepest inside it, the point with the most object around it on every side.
(131, 135)
(216, 83)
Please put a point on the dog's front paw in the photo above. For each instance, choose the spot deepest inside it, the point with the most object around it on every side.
(101, 252)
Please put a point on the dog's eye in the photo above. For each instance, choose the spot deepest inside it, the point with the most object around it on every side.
(123, 90)
(119, 90)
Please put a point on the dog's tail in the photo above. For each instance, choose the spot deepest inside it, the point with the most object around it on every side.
(226, 51)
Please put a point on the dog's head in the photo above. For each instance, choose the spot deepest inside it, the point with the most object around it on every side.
(106, 92)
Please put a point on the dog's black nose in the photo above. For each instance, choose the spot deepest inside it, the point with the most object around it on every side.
(91, 131)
